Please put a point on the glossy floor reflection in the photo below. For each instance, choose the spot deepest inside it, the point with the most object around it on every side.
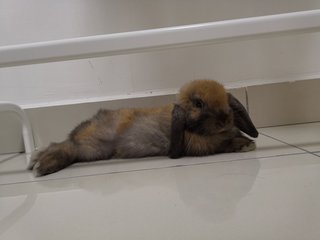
(272, 193)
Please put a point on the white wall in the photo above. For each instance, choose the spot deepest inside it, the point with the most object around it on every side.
(238, 63)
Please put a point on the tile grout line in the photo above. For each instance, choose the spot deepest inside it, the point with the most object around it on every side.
(155, 168)
(9, 158)
(291, 145)
(289, 124)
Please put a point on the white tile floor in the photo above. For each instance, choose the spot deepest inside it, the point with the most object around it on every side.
(271, 193)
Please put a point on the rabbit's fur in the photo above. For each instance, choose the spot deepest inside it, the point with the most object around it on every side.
(201, 123)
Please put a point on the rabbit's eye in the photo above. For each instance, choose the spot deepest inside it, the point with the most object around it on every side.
(198, 103)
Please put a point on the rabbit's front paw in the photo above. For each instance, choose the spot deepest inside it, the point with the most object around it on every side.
(248, 147)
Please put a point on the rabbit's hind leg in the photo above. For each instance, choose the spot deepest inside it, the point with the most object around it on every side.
(54, 158)
(90, 141)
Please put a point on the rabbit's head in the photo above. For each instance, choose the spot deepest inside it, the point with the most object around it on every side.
(206, 104)
(209, 109)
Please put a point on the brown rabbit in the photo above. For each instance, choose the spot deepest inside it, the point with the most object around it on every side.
(206, 120)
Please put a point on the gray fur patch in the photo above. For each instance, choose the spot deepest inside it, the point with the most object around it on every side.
(144, 138)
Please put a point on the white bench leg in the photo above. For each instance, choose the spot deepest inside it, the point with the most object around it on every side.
(26, 127)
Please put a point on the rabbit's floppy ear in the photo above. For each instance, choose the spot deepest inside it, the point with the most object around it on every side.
(241, 117)
(177, 132)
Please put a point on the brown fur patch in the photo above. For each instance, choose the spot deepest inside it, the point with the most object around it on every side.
(86, 132)
(196, 144)
(209, 91)
(166, 109)
(67, 147)
(126, 117)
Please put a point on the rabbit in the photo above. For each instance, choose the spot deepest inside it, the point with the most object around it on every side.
(205, 120)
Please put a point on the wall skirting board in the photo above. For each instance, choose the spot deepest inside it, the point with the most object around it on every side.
(269, 105)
